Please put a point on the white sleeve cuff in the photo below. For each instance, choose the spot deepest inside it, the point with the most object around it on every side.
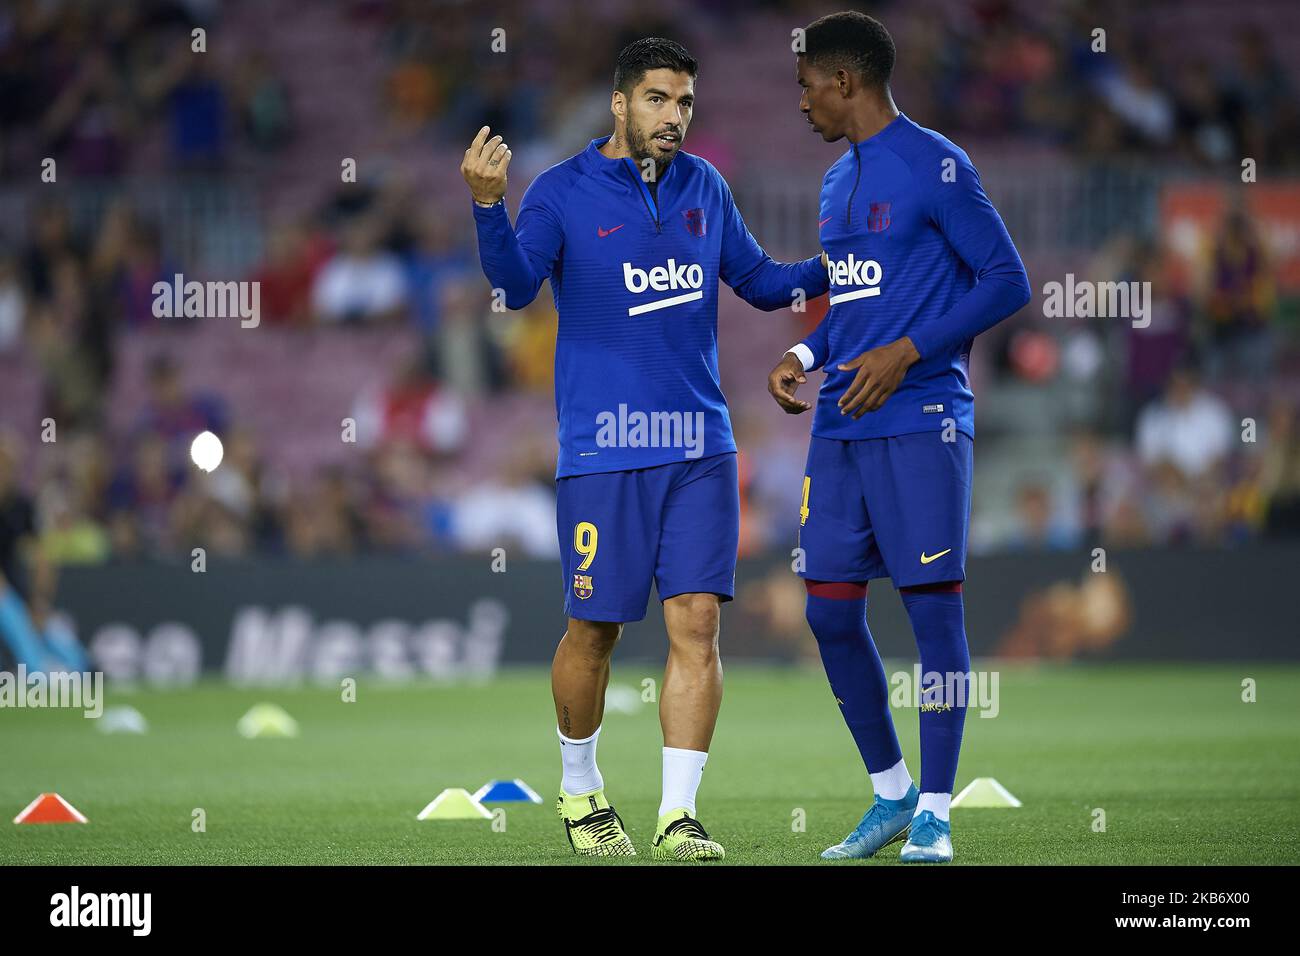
(804, 354)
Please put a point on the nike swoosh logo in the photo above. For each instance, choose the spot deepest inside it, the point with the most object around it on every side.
(824, 221)
(927, 558)
(605, 232)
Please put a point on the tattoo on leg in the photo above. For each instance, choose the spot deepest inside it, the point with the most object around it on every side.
(566, 721)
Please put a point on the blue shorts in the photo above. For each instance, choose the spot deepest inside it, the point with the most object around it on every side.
(678, 524)
(895, 507)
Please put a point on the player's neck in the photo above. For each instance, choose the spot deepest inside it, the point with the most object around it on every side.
(871, 117)
(616, 147)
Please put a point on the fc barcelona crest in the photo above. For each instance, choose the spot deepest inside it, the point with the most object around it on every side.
(582, 586)
(878, 217)
(694, 222)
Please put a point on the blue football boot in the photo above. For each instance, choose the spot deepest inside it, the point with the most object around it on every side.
(929, 842)
(886, 822)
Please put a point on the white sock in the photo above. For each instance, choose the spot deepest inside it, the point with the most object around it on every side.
(892, 784)
(578, 758)
(682, 772)
(936, 803)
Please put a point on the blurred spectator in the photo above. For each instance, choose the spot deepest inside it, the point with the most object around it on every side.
(72, 484)
(529, 339)
(1280, 471)
(771, 476)
(1240, 300)
(140, 500)
(1259, 89)
(175, 416)
(1183, 441)
(1098, 483)
(90, 120)
(241, 487)
(433, 262)
(262, 100)
(294, 257)
(1189, 430)
(402, 513)
(191, 88)
(513, 510)
(134, 259)
(414, 408)
(1040, 525)
(70, 534)
(1136, 98)
(57, 326)
(52, 240)
(1158, 347)
(13, 303)
(413, 92)
(467, 349)
(1201, 116)
(362, 282)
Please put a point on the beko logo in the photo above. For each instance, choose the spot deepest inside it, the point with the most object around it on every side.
(667, 278)
(854, 271)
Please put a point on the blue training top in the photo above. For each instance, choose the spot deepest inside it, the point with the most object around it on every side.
(635, 279)
(916, 249)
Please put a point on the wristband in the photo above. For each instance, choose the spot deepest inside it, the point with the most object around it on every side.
(804, 354)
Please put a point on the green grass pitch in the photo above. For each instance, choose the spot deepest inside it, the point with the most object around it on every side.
(1186, 772)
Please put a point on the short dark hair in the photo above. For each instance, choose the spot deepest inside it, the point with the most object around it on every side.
(852, 41)
(650, 53)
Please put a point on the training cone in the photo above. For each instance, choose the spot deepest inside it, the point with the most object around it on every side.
(454, 804)
(50, 808)
(984, 792)
(267, 720)
(123, 720)
(506, 791)
(623, 699)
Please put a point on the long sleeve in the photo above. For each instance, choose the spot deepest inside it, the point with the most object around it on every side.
(518, 260)
(752, 273)
(976, 232)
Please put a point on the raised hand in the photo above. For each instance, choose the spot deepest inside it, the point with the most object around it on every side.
(484, 167)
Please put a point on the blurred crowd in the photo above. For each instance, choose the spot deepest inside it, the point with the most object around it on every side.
(1165, 439)
(97, 84)
(106, 488)
(93, 83)
(1039, 72)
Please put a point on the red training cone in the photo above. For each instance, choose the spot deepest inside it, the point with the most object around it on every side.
(50, 808)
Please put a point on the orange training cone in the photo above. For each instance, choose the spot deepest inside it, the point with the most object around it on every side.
(50, 808)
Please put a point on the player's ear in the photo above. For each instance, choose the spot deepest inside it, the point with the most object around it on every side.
(618, 104)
